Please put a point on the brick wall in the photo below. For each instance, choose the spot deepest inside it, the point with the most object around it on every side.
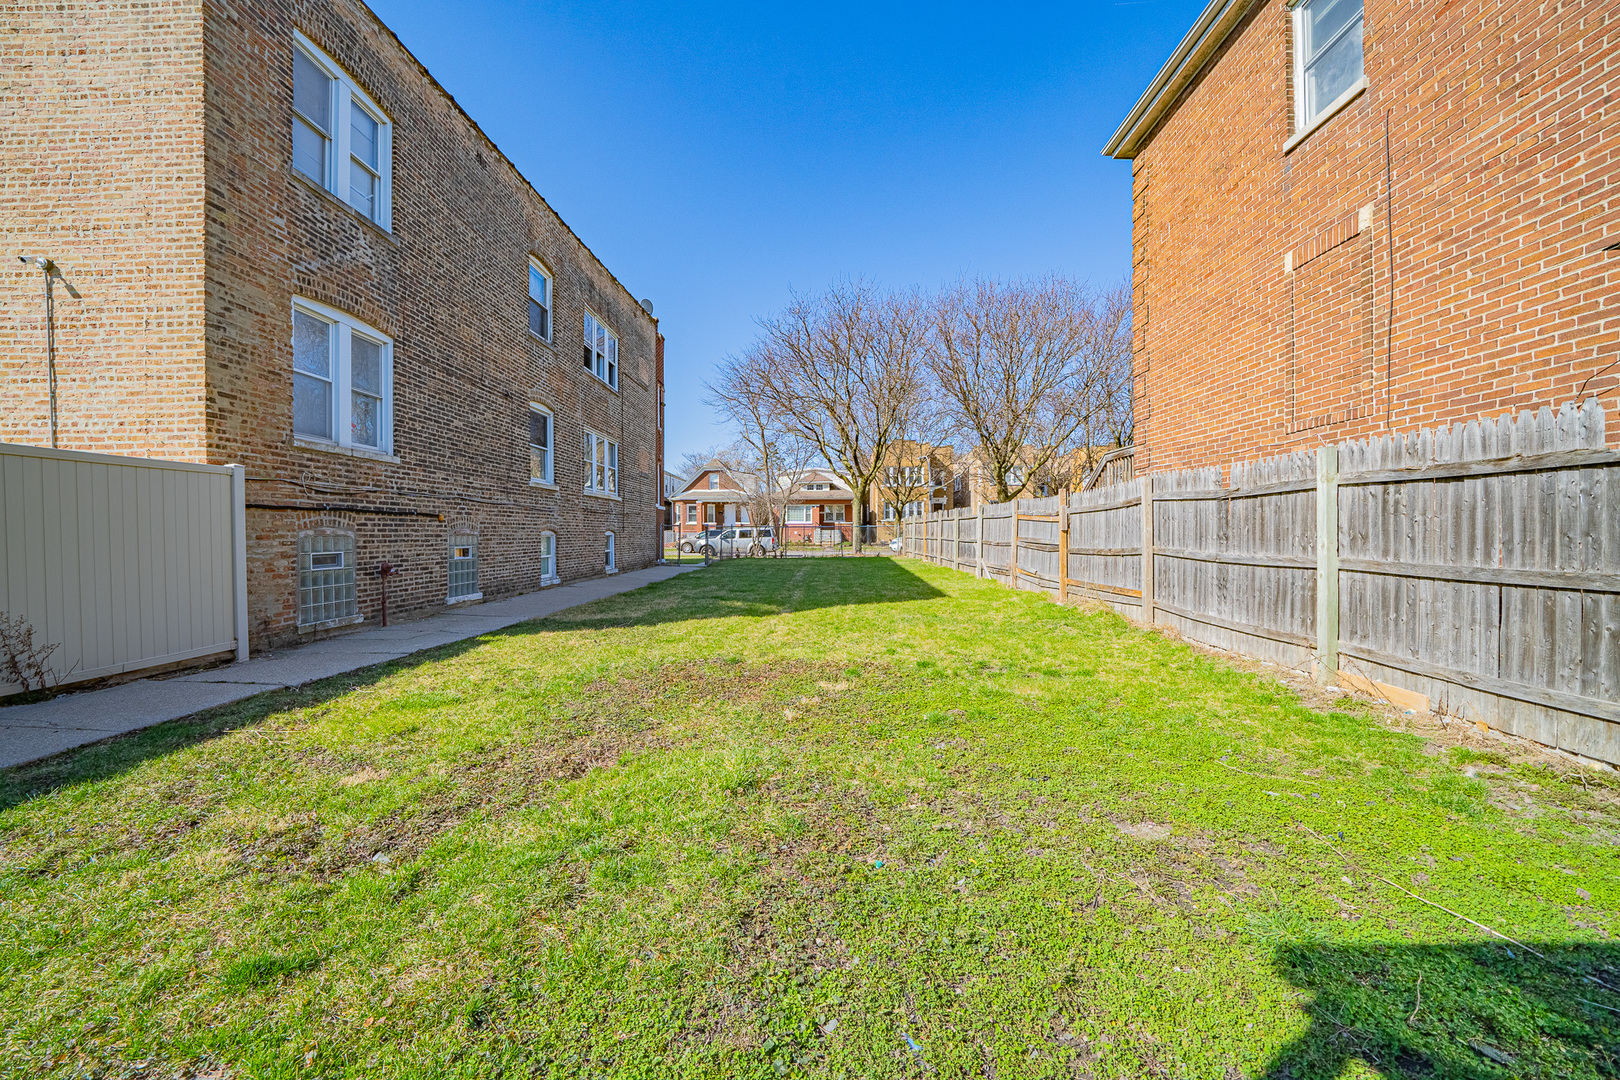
(101, 164)
(178, 127)
(1263, 290)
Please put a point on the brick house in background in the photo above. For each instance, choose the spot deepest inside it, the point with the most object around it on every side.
(916, 480)
(1352, 219)
(713, 498)
(820, 509)
(297, 253)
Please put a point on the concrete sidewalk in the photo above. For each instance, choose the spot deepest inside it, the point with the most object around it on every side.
(29, 732)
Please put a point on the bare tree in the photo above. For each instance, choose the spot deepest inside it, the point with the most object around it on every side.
(692, 461)
(770, 450)
(1029, 370)
(844, 371)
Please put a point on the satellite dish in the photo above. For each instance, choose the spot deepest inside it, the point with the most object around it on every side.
(646, 305)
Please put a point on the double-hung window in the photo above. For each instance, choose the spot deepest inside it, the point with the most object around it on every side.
(539, 301)
(797, 514)
(342, 379)
(601, 464)
(601, 351)
(548, 558)
(342, 140)
(541, 439)
(1328, 58)
(833, 512)
(612, 555)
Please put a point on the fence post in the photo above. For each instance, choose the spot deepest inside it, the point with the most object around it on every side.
(1147, 550)
(978, 539)
(1063, 546)
(1327, 563)
(239, 557)
(1013, 563)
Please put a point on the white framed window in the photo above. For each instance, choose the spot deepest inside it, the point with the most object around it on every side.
(797, 514)
(601, 351)
(343, 379)
(548, 558)
(714, 481)
(742, 516)
(1328, 58)
(539, 301)
(818, 487)
(342, 140)
(888, 511)
(691, 513)
(710, 516)
(612, 563)
(542, 437)
(463, 584)
(601, 464)
(833, 513)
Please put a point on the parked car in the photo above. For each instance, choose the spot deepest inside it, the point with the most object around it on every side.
(740, 540)
(696, 541)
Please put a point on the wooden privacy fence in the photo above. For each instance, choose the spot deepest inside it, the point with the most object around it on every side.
(1477, 565)
(122, 563)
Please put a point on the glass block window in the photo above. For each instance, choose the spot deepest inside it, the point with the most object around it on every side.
(463, 565)
(326, 589)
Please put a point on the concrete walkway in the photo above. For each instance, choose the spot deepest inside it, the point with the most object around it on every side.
(29, 732)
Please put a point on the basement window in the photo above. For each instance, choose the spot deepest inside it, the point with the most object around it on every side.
(342, 140)
(326, 587)
(1328, 68)
(463, 567)
(548, 559)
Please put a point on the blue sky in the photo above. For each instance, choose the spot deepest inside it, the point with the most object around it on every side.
(716, 157)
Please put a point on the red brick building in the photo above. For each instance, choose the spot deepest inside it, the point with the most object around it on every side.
(819, 510)
(1351, 219)
(297, 253)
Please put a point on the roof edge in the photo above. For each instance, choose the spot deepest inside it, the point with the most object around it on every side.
(1217, 21)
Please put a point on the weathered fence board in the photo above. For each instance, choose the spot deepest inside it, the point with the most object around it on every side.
(1478, 565)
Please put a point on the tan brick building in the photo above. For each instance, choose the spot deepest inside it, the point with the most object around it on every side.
(297, 253)
(1350, 219)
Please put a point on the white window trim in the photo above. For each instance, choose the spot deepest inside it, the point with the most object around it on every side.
(590, 468)
(343, 387)
(344, 88)
(611, 549)
(551, 457)
(617, 362)
(1304, 127)
(555, 577)
(1350, 94)
(551, 301)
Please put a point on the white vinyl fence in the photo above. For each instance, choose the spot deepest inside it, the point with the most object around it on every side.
(121, 563)
(1477, 565)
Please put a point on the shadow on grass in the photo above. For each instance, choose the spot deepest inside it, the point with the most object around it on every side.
(110, 757)
(756, 587)
(1482, 1010)
(748, 588)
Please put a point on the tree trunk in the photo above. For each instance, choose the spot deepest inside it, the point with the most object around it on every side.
(860, 514)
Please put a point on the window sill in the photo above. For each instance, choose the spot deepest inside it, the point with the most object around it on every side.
(542, 340)
(306, 442)
(610, 573)
(1328, 113)
(547, 484)
(550, 580)
(380, 230)
(599, 381)
(330, 624)
(450, 601)
(604, 495)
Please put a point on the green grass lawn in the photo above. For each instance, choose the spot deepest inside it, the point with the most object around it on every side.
(830, 818)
